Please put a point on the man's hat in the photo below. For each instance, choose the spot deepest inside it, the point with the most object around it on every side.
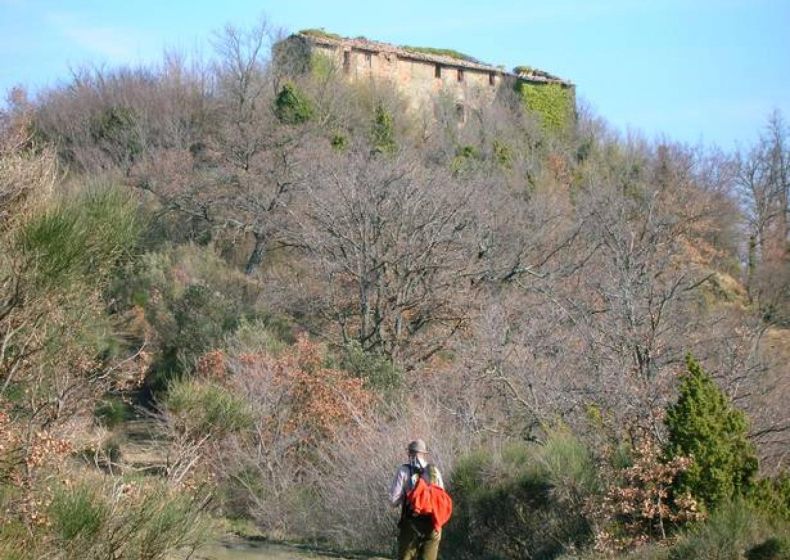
(418, 446)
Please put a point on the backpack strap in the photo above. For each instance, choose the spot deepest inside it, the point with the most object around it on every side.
(404, 502)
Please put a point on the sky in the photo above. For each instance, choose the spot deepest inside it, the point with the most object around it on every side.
(701, 72)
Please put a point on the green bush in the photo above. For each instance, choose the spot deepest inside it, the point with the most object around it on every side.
(116, 132)
(77, 512)
(269, 335)
(104, 517)
(339, 142)
(523, 502)
(194, 301)
(383, 131)
(502, 153)
(292, 106)
(83, 237)
(773, 548)
(377, 370)
(733, 530)
(704, 425)
(202, 407)
(772, 495)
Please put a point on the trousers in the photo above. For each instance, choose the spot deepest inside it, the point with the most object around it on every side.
(417, 539)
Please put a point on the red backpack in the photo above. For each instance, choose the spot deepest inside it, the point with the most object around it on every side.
(427, 498)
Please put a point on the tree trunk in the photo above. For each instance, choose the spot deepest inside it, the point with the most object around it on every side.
(256, 257)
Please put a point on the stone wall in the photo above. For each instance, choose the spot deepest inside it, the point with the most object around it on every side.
(419, 81)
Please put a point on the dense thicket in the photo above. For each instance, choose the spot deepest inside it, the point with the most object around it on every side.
(294, 276)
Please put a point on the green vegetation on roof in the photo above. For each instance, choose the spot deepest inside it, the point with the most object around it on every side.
(441, 52)
(321, 33)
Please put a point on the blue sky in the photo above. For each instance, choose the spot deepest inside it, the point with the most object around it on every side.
(697, 71)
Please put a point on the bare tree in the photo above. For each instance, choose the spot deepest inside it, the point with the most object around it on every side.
(390, 240)
(763, 183)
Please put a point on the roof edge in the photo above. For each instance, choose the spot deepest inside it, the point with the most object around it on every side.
(320, 37)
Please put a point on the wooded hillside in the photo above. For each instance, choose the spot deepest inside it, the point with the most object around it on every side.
(291, 277)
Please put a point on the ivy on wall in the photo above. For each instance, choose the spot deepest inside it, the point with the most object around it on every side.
(553, 103)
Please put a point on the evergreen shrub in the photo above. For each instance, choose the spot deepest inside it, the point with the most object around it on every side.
(704, 425)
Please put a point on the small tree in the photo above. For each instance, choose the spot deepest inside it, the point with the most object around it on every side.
(292, 106)
(383, 131)
(704, 425)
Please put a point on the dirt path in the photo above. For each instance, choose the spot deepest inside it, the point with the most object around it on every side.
(246, 550)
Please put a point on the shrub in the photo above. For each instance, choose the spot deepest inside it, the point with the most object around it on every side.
(773, 548)
(704, 425)
(115, 131)
(378, 371)
(639, 506)
(772, 496)
(524, 502)
(77, 512)
(292, 106)
(83, 236)
(732, 530)
(202, 407)
(503, 153)
(195, 302)
(383, 131)
(450, 53)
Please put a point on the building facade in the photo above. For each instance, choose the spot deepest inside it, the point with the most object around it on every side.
(419, 75)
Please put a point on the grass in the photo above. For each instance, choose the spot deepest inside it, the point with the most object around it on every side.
(77, 512)
(441, 52)
(321, 33)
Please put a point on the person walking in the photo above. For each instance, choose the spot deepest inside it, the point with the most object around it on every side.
(418, 538)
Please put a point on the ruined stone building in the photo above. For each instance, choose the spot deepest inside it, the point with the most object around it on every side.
(420, 74)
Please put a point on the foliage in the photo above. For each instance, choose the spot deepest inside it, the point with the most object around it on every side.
(705, 426)
(200, 407)
(554, 104)
(115, 130)
(82, 236)
(339, 142)
(321, 66)
(378, 371)
(262, 422)
(772, 495)
(732, 530)
(481, 281)
(136, 519)
(314, 402)
(292, 106)
(466, 159)
(52, 509)
(383, 131)
(639, 504)
(77, 512)
(523, 502)
(192, 301)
